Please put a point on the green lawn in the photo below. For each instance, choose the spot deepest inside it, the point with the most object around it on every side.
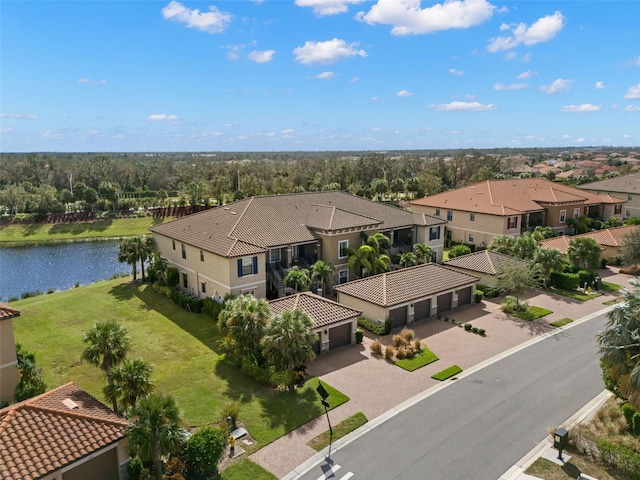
(547, 470)
(182, 346)
(533, 313)
(613, 301)
(574, 294)
(244, 469)
(561, 323)
(610, 287)
(447, 373)
(343, 428)
(425, 357)
(35, 233)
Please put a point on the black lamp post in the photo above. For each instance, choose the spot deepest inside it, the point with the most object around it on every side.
(324, 395)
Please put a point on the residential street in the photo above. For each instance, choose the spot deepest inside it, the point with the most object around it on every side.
(481, 425)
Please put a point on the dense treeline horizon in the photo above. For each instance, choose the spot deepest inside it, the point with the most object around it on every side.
(43, 183)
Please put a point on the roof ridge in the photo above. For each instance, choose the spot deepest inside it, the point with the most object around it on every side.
(71, 413)
(491, 195)
(37, 397)
(384, 288)
(240, 218)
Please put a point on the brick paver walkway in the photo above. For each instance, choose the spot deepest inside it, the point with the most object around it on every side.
(375, 386)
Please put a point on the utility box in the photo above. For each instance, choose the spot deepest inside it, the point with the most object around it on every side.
(560, 440)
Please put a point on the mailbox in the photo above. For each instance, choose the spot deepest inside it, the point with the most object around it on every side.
(560, 440)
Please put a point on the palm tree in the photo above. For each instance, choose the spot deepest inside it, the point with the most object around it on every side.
(288, 340)
(380, 243)
(131, 381)
(549, 259)
(366, 260)
(408, 259)
(525, 246)
(155, 430)
(584, 251)
(126, 254)
(503, 244)
(581, 224)
(322, 272)
(243, 320)
(143, 248)
(298, 278)
(620, 346)
(108, 344)
(423, 252)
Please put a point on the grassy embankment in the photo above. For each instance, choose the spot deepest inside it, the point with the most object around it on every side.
(17, 235)
(183, 348)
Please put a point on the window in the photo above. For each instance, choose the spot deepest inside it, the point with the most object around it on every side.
(563, 216)
(185, 280)
(343, 245)
(201, 255)
(203, 287)
(434, 233)
(343, 276)
(471, 238)
(576, 212)
(173, 244)
(629, 197)
(247, 266)
(437, 212)
(512, 222)
(617, 210)
(449, 215)
(627, 213)
(472, 217)
(274, 255)
(184, 251)
(249, 291)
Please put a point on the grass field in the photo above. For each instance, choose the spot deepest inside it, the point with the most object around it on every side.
(182, 346)
(39, 233)
(533, 313)
(246, 469)
(425, 357)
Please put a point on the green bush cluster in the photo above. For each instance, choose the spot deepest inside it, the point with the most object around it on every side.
(632, 417)
(565, 281)
(488, 291)
(512, 305)
(470, 328)
(388, 325)
(183, 300)
(479, 296)
(619, 457)
(373, 327)
(211, 307)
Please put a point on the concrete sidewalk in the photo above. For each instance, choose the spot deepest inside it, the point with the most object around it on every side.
(376, 386)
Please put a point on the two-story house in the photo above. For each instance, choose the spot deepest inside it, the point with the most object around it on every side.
(247, 246)
(626, 187)
(477, 213)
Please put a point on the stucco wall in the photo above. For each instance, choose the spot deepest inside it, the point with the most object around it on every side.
(8, 361)
(369, 310)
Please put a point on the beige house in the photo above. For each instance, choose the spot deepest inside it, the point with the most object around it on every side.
(625, 187)
(477, 213)
(247, 246)
(8, 360)
(64, 434)
(609, 239)
(485, 264)
(335, 324)
(410, 294)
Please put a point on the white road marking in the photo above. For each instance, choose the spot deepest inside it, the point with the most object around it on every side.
(330, 472)
(347, 476)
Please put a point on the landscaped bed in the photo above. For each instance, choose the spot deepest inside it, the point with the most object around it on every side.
(345, 427)
(533, 313)
(574, 294)
(447, 373)
(561, 323)
(425, 357)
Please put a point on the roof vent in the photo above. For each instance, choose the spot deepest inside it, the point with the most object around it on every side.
(233, 213)
(70, 404)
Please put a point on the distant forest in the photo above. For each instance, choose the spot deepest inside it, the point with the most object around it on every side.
(37, 184)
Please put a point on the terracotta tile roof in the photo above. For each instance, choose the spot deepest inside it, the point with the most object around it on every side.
(42, 434)
(609, 237)
(510, 197)
(484, 261)
(624, 184)
(256, 224)
(321, 310)
(560, 243)
(8, 312)
(406, 284)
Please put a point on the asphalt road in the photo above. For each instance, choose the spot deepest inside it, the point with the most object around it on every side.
(481, 425)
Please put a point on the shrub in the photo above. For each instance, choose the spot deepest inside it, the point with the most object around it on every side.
(481, 331)
(586, 277)
(628, 411)
(33, 293)
(229, 414)
(619, 457)
(603, 263)
(632, 270)
(635, 424)
(203, 451)
(565, 281)
(401, 353)
(359, 335)
(376, 347)
(212, 308)
(136, 470)
(373, 327)
(50, 291)
(474, 329)
(388, 325)
(398, 341)
(489, 292)
(389, 352)
(511, 305)
(408, 335)
(467, 326)
(459, 250)
(479, 296)
(417, 346)
(172, 277)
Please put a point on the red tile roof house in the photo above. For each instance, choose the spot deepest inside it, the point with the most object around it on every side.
(485, 264)
(609, 239)
(64, 434)
(335, 324)
(247, 246)
(8, 359)
(477, 213)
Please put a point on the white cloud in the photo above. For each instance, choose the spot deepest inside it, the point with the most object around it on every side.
(234, 51)
(453, 71)
(566, 136)
(375, 99)
(579, 140)
(585, 107)
(287, 132)
(599, 85)
(161, 117)
(327, 7)
(558, 85)
(213, 21)
(527, 58)
(469, 106)
(501, 87)
(91, 82)
(636, 62)
(632, 108)
(633, 92)
(261, 56)
(407, 17)
(325, 75)
(327, 52)
(542, 30)
(626, 136)
(526, 75)
(21, 116)
(404, 93)
(354, 79)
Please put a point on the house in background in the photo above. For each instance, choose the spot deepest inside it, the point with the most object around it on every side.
(8, 359)
(335, 324)
(248, 246)
(609, 239)
(485, 264)
(477, 213)
(625, 187)
(63, 434)
(409, 294)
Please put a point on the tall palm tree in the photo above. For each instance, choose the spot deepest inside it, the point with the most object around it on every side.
(408, 259)
(288, 340)
(423, 252)
(127, 254)
(243, 320)
(323, 272)
(143, 248)
(584, 252)
(549, 259)
(525, 246)
(298, 278)
(581, 224)
(503, 244)
(380, 243)
(108, 343)
(365, 260)
(156, 430)
(131, 381)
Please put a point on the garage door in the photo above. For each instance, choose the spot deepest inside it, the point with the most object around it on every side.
(339, 336)
(464, 296)
(444, 302)
(422, 310)
(398, 316)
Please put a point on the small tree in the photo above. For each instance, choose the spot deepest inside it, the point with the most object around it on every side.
(242, 321)
(131, 381)
(30, 383)
(203, 451)
(504, 244)
(584, 252)
(298, 278)
(423, 253)
(127, 254)
(408, 259)
(525, 246)
(517, 277)
(322, 272)
(631, 246)
(548, 259)
(459, 250)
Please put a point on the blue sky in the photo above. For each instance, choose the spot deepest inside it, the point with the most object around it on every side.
(317, 75)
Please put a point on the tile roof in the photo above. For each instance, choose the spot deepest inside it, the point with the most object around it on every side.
(624, 184)
(42, 434)
(253, 225)
(8, 312)
(428, 220)
(484, 261)
(511, 197)
(407, 284)
(322, 311)
(608, 237)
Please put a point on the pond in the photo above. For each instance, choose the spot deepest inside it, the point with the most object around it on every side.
(57, 267)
